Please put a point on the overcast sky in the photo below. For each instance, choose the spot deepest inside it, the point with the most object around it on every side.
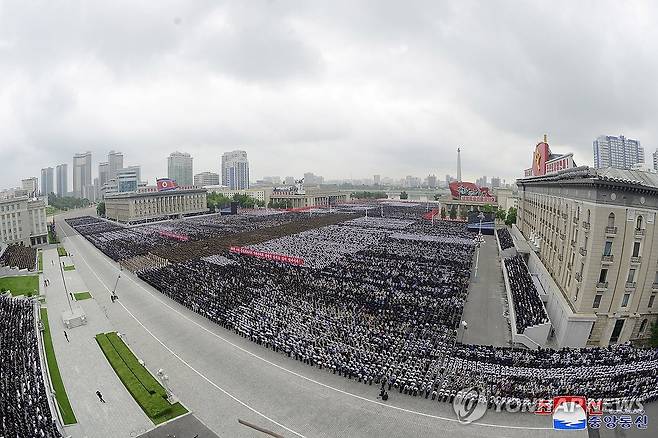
(339, 88)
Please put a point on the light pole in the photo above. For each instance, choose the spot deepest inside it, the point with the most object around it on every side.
(114, 295)
(464, 328)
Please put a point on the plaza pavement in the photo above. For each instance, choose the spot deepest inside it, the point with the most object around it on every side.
(485, 305)
(222, 377)
(83, 366)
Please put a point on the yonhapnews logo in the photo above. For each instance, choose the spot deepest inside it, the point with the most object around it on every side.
(569, 413)
(469, 404)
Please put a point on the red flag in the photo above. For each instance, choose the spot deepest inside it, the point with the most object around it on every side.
(166, 184)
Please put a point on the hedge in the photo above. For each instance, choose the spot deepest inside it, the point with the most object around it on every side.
(55, 377)
(144, 388)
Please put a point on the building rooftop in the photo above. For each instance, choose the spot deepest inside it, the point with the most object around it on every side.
(588, 175)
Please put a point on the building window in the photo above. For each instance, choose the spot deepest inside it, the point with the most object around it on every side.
(631, 275)
(638, 223)
(643, 326)
(651, 300)
(636, 249)
(597, 301)
(604, 275)
(624, 301)
(607, 250)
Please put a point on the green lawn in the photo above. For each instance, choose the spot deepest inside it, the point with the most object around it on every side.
(61, 251)
(60, 393)
(79, 296)
(69, 268)
(21, 285)
(40, 261)
(52, 238)
(145, 389)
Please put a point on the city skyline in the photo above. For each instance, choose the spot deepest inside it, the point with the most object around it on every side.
(390, 101)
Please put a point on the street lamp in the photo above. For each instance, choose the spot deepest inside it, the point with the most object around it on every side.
(464, 328)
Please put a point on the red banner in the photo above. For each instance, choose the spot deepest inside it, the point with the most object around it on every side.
(179, 237)
(298, 261)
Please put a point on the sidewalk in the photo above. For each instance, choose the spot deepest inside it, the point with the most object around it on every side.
(82, 364)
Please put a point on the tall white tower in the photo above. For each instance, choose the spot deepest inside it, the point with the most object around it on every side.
(459, 165)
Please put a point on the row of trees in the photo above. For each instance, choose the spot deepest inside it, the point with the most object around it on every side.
(66, 202)
(368, 195)
(217, 201)
(509, 216)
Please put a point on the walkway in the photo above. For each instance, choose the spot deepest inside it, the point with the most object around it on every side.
(484, 307)
(82, 364)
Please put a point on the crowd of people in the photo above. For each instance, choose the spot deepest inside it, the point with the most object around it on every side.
(320, 247)
(24, 408)
(618, 372)
(505, 238)
(387, 313)
(380, 301)
(528, 307)
(121, 243)
(19, 256)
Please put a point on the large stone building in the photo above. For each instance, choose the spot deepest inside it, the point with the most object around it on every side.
(151, 204)
(595, 233)
(299, 197)
(31, 185)
(205, 179)
(23, 221)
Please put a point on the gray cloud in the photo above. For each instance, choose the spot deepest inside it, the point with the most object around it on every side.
(343, 88)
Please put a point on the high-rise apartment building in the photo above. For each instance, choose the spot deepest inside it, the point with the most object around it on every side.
(82, 182)
(377, 179)
(179, 168)
(103, 173)
(235, 170)
(205, 179)
(114, 164)
(618, 152)
(495, 182)
(61, 173)
(47, 181)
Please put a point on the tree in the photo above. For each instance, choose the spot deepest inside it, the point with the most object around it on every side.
(443, 212)
(488, 208)
(66, 202)
(404, 195)
(100, 209)
(437, 197)
(368, 195)
(278, 204)
(511, 216)
(501, 214)
(654, 335)
(453, 213)
(216, 201)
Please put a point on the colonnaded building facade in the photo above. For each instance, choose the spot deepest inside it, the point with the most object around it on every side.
(152, 204)
(594, 232)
